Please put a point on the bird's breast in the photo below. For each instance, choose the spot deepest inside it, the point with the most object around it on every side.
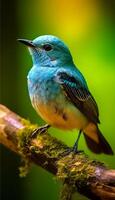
(50, 102)
(56, 110)
(43, 91)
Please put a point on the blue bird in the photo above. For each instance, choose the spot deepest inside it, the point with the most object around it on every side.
(59, 92)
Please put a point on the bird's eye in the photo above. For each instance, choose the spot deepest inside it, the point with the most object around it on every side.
(47, 47)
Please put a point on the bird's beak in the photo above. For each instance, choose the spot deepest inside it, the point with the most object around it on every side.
(28, 43)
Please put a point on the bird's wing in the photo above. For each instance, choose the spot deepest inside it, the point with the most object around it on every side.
(79, 95)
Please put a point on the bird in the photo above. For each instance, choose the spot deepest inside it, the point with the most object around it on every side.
(59, 92)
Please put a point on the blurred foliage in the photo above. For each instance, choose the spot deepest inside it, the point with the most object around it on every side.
(87, 27)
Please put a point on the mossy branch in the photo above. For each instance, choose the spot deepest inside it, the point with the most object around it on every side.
(78, 172)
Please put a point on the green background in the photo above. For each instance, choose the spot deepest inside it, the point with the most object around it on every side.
(88, 28)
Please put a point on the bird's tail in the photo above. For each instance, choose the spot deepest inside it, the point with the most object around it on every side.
(96, 141)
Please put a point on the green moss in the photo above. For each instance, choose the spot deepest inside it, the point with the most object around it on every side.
(67, 192)
(23, 141)
(24, 168)
(51, 147)
(24, 134)
(76, 169)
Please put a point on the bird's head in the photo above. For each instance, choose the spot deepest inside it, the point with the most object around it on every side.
(48, 50)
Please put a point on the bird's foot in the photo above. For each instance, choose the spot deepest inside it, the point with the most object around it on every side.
(39, 130)
(71, 151)
(66, 152)
(75, 149)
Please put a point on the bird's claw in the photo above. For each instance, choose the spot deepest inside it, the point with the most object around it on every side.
(39, 131)
(71, 150)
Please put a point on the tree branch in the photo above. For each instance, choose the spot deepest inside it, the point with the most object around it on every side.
(89, 177)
